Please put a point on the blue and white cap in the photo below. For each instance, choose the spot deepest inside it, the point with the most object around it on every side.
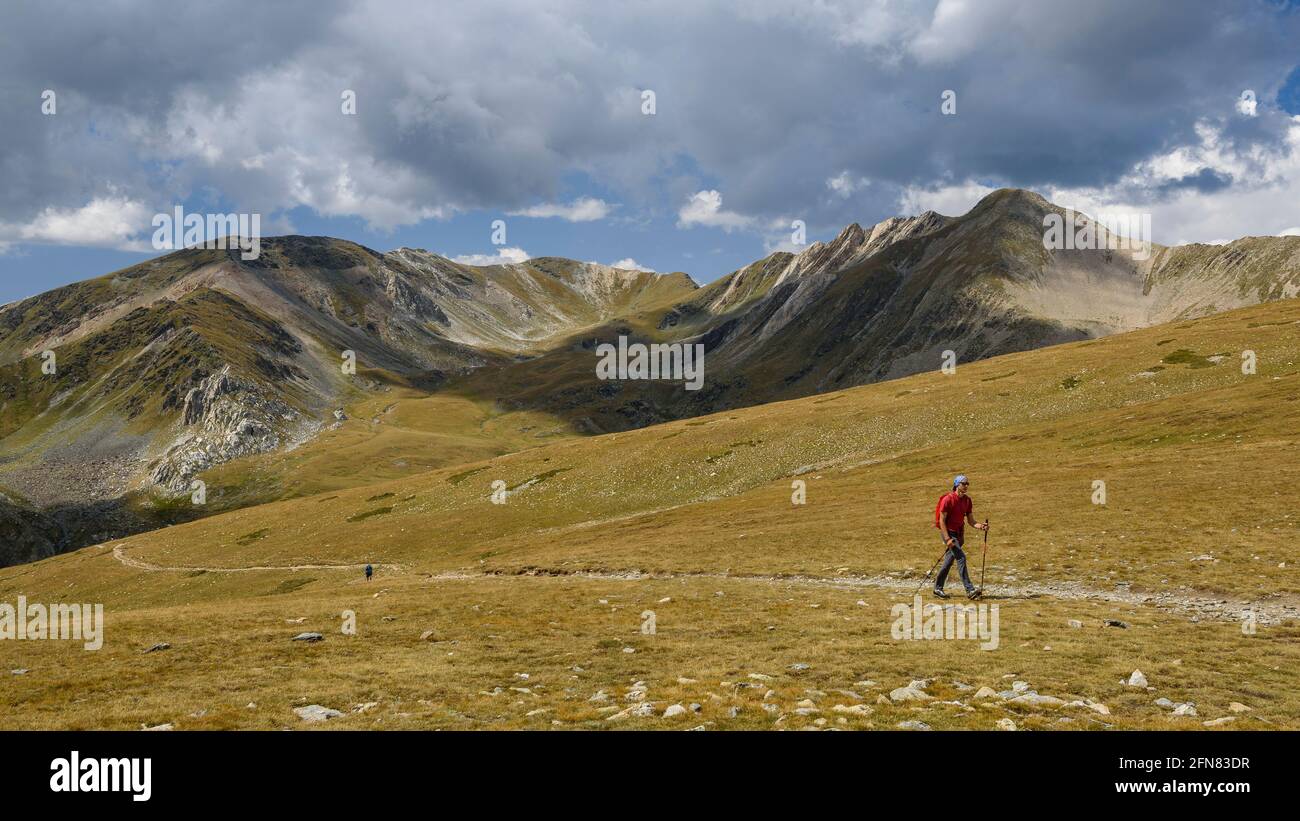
(960, 479)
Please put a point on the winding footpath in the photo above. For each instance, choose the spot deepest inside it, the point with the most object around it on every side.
(119, 553)
(1196, 607)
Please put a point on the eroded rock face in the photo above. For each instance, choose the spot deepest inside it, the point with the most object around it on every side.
(224, 418)
(409, 299)
(204, 396)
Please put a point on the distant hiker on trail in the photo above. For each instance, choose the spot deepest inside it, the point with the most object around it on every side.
(950, 516)
(370, 571)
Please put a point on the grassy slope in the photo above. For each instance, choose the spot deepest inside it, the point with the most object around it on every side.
(387, 436)
(1195, 456)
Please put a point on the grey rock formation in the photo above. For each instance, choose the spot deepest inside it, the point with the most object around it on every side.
(224, 418)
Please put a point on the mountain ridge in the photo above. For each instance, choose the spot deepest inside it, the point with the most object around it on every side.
(175, 366)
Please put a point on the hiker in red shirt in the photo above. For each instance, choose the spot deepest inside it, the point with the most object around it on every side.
(950, 517)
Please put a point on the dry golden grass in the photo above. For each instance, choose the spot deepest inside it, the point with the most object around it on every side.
(227, 654)
(1197, 460)
(386, 436)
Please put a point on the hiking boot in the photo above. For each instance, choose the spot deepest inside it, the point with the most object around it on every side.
(940, 594)
(975, 594)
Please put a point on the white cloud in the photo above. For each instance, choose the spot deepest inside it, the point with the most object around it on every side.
(949, 200)
(845, 184)
(340, 196)
(486, 123)
(1259, 202)
(505, 256)
(627, 263)
(957, 28)
(705, 208)
(779, 235)
(585, 209)
(105, 222)
(781, 242)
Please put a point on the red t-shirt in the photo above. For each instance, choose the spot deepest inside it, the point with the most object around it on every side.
(954, 509)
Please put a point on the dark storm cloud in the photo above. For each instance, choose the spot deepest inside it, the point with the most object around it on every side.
(116, 69)
(1206, 181)
(496, 105)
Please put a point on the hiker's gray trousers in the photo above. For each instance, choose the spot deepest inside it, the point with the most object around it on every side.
(955, 553)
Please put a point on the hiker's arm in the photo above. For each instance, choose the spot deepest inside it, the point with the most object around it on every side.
(970, 519)
(941, 521)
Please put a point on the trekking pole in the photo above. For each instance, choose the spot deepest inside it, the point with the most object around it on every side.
(985, 555)
(931, 570)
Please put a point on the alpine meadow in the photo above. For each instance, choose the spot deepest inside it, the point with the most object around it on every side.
(862, 365)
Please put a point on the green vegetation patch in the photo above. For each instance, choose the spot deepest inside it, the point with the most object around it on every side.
(1191, 359)
(379, 511)
(249, 538)
(290, 585)
(539, 478)
(457, 478)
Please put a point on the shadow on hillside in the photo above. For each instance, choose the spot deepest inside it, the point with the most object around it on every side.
(562, 382)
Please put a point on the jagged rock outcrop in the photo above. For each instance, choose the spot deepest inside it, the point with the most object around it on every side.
(887, 302)
(224, 418)
(202, 397)
(406, 297)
